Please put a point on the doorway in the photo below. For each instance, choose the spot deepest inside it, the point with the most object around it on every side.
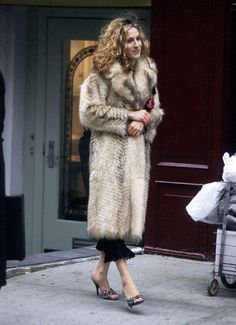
(66, 56)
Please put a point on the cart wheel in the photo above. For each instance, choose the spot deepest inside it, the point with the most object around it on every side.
(229, 281)
(213, 287)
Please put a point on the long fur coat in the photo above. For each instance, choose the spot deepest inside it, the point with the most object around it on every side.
(119, 163)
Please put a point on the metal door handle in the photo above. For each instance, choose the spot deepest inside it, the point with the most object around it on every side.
(50, 156)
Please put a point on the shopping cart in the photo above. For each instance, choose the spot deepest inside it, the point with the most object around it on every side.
(225, 252)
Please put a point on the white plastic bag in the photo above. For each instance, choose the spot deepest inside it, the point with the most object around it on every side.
(204, 206)
(229, 170)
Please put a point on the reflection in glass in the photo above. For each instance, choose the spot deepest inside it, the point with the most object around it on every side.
(74, 169)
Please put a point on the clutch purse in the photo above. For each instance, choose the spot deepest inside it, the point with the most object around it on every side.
(149, 104)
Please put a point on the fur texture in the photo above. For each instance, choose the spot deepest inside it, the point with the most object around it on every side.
(119, 164)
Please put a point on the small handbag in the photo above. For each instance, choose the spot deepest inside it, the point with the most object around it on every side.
(15, 228)
(150, 102)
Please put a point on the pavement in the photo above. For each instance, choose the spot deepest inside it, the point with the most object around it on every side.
(61, 293)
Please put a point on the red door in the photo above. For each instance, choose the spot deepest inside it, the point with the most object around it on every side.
(187, 42)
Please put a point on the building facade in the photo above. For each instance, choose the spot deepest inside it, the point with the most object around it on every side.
(45, 54)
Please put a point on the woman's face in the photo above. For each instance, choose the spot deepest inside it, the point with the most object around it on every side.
(133, 44)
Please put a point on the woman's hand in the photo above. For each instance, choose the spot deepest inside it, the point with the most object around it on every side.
(140, 116)
(135, 128)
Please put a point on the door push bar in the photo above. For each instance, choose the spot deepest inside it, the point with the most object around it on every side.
(50, 156)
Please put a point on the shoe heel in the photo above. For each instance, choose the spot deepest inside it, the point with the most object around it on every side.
(105, 294)
(97, 287)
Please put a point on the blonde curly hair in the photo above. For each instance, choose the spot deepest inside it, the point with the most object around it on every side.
(111, 45)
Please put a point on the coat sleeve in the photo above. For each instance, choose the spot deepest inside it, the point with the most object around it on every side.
(157, 115)
(94, 112)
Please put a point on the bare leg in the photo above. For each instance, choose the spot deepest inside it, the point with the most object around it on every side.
(128, 285)
(100, 274)
(99, 277)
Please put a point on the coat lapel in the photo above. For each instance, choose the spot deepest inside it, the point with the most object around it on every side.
(145, 79)
(134, 87)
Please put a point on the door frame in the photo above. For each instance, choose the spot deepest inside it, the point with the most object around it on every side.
(34, 136)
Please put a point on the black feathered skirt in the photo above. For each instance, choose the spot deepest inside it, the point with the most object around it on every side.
(114, 249)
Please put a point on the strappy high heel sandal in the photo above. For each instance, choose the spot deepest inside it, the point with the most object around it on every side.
(135, 301)
(106, 294)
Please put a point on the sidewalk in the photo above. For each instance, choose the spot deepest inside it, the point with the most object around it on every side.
(175, 292)
(41, 261)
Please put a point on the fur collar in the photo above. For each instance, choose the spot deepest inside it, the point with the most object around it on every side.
(135, 86)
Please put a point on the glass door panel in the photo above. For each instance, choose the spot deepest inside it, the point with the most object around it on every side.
(74, 167)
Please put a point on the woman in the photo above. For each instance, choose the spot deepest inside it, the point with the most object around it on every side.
(112, 105)
(2, 190)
